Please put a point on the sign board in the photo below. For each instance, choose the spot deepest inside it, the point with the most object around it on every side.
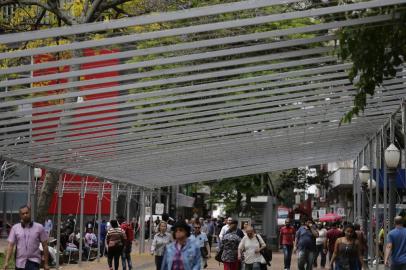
(148, 211)
(297, 216)
(314, 214)
(341, 211)
(159, 208)
(322, 212)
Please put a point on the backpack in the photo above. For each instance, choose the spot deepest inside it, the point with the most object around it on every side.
(129, 231)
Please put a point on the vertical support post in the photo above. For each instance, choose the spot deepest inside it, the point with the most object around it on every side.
(151, 219)
(167, 197)
(364, 188)
(377, 178)
(158, 196)
(29, 190)
(129, 193)
(176, 202)
(116, 193)
(371, 176)
(392, 181)
(142, 221)
(359, 189)
(4, 229)
(112, 198)
(33, 199)
(354, 191)
(99, 207)
(385, 185)
(82, 201)
(58, 221)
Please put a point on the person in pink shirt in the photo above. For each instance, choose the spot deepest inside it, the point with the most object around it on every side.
(26, 236)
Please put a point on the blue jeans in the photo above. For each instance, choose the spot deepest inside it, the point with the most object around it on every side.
(287, 255)
(305, 259)
(126, 257)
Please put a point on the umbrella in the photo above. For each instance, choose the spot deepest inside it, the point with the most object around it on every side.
(330, 217)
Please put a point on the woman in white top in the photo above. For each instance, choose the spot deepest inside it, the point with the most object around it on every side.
(321, 245)
(161, 240)
(250, 246)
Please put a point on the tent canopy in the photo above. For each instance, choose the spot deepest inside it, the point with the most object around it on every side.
(192, 95)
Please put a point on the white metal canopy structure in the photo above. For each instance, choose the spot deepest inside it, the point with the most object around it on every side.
(192, 95)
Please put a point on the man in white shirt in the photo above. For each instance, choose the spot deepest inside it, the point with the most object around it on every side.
(225, 228)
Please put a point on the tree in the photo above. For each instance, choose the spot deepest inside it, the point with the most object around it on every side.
(232, 191)
(377, 51)
(28, 15)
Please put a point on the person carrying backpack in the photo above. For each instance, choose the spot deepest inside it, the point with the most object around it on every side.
(115, 240)
(129, 233)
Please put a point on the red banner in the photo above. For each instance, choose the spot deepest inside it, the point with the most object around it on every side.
(70, 200)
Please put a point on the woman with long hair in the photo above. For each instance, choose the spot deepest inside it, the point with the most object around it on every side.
(347, 251)
(161, 239)
(115, 240)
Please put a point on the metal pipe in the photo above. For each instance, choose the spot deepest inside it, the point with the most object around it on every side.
(370, 228)
(129, 191)
(142, 221)
(377, 175)
(99, 208)
(115, 198)
(112, 195)
(82, 201)
(58, 221)
(385, 185)
(151, 219)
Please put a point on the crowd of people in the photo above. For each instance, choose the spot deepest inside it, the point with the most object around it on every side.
(344, 244)
(186, 244)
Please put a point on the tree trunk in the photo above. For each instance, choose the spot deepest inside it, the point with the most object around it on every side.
(46, 194)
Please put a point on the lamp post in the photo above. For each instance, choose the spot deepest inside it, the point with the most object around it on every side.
(37, 176)
(364, 174)
(392, 157)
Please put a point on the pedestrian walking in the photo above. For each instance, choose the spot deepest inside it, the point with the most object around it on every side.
(229, 245)
(159, 243)
(27, 236)
(306, 245)
(210, 231)
(320, 246)
(361, 239)
(115, 243)
(128, 230)
(203, 243)
(250, 246)
(225, 228)
(396, 246)
(332, 235)
(286, 240)
(347, 251)
(183, 253)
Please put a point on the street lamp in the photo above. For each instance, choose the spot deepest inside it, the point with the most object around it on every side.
(392, 157)
(364, 175)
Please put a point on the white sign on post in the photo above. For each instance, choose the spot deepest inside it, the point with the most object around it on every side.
(148, 211)
(159, 208)
(314, 214)
(341, 211)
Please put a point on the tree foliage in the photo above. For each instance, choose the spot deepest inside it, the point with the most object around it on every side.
(377, 51)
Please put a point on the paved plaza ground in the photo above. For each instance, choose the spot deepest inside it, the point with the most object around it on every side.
(145, 261)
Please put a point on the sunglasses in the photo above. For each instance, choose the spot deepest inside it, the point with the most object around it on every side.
(197, 227)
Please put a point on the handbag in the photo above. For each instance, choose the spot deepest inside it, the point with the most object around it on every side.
(266, 253)
(204, 253)
(218, 256)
